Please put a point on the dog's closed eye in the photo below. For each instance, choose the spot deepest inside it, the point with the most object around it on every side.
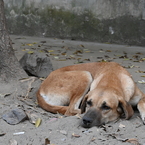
(89, 103)
(105, 106)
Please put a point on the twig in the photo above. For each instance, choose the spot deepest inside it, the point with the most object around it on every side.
(29, 88)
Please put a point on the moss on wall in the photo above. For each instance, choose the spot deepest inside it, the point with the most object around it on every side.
(127, 30)
(50, 22)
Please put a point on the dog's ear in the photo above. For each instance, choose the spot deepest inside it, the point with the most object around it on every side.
(126, 107)
(83, 104)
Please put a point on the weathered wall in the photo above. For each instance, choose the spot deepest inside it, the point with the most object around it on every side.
(115, 21)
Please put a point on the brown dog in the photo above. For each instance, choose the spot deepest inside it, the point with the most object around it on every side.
(105, 91)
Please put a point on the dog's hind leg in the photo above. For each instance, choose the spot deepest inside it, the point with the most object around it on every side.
(141, 108)
(141, 104)
(138, 99)
(49, 107)
(63, 91)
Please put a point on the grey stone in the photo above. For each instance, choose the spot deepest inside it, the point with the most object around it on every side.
(36, 64)
(14, 116)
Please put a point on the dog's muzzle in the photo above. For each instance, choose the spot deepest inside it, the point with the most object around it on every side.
(92, 118)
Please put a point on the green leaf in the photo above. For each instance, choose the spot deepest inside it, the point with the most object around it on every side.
(143, 59)
(141, 82)
(30, 44)
(50, 50)
(30, 52)
(38, 122)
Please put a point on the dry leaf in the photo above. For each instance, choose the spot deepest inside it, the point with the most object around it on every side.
(139, 53)
(133, 141)
(59, 115)
(54, 54)
(62, 59)
(103, 60)
(93, 139)
(42, 41)
(30, 52)
(141, 82)
(87, 59)
(65, 47)
(42, 79)
(78, 51)
(143, 59)
(87, 51)
(50, 50)
(72, 56)
(107, 43)
(23, 44)
(126, 58)
(75, 135)
(56, 57)
(131, 66)
(64, 53)
(108, 50)
(32, 117)
(38, 122)
(39, 45)
(41, 51)
(82, 45)
(30, 44)
(47, 141)
(140, 71)
(135, 56)
(99, 57)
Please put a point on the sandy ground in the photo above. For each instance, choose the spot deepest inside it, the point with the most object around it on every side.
(55, 128)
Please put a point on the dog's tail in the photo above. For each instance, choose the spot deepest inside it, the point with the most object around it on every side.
(50, 108)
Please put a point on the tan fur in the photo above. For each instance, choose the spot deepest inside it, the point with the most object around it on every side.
(108, 89)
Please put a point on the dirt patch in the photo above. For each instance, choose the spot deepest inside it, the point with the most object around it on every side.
(55, 128)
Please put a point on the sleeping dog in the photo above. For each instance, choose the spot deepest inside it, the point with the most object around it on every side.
(103, 90)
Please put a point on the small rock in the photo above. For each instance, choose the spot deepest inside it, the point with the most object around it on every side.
(13, 142)
(63, 139)
(14, 116)
(36, 64)
(121, 126)
(63, 132)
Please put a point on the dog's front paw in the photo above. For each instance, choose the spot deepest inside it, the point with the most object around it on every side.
(72, 112)
(141, 109)
(143, 118)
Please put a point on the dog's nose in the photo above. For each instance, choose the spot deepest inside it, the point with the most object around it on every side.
(87, 121)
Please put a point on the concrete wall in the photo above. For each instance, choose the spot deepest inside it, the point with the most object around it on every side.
(114, 21)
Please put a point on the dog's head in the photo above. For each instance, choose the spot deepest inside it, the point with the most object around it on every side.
(104, 106)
